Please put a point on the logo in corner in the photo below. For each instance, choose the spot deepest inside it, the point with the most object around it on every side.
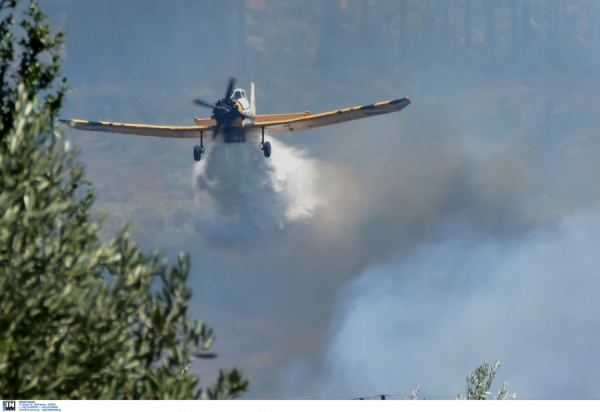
(9, 405)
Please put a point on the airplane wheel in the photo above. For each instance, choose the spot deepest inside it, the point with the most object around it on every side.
(197, 153)
(267, 149)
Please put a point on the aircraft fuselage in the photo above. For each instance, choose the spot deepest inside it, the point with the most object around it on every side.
(234, 133)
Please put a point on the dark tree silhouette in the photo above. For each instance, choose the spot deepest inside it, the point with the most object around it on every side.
(241, 38)
(467, 24)
(403, 30)
(490, 25)
(526, 27)
(328, 52)
(514, 29)
(552, 43)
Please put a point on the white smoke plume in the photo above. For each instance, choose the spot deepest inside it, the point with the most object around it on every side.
(244, 199)
(430, 316)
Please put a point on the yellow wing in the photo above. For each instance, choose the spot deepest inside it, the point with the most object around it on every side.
(307, 121)
(272, 123)
(191, 132)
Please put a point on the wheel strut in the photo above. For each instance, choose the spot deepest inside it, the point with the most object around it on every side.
(265, 146)
(198, 150)
(262, 143)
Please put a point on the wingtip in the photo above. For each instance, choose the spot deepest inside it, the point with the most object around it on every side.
(68, 122)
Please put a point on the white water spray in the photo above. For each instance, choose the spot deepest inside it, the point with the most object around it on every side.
(244, 199)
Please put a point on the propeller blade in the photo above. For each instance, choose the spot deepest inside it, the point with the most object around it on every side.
(216, 130)
(230, 88)
(203, 103)
(247, 116)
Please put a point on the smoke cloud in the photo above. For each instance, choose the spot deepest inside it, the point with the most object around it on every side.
(428, 317)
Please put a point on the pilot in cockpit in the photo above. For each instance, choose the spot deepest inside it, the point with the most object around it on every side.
(238, 94)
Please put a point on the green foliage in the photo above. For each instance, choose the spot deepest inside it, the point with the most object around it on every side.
(480, 381)
(39, 64)
(80, 319)
(415, 394)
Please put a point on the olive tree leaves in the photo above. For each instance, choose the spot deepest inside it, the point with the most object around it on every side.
(79, 319)
(33, 59)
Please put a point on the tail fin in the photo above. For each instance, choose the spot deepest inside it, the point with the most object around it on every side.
(252, 99)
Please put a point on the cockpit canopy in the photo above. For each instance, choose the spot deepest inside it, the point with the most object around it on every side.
(238, 94)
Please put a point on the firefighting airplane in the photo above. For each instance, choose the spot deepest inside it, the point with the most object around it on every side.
(234, 117)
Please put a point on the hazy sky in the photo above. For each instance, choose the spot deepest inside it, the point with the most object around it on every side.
(379, 255)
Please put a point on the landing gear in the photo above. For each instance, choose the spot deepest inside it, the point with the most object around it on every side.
(265, 146)
(198, 150)
(267, 149)
(197, 153)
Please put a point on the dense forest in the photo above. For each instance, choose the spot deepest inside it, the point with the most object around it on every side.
(494, 36)
(493, 32)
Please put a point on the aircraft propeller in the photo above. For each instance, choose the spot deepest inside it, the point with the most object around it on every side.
(203, 103)
(225, 110)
